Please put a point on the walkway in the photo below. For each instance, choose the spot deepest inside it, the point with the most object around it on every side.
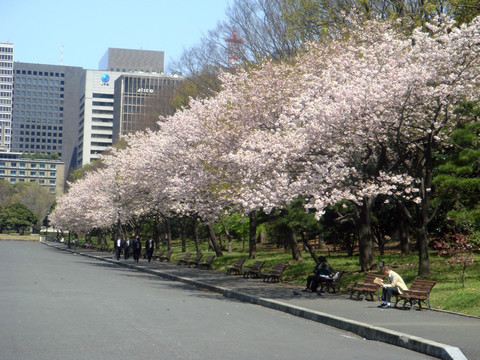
(443, 335)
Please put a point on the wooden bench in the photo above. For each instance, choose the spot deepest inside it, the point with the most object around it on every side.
(418, 293)
(185, 259)
(332, 284)
(275, 274)
(254, 270)
(156, 256)
(194, 262)
(236, 267)
(166, 257)
(207, 265)
(367, 287)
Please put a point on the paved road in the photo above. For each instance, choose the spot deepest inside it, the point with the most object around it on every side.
(57, 305)
(440, 334)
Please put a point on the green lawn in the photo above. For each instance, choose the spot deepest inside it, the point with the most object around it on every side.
(17, 237)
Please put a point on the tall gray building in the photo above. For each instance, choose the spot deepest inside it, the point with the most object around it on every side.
(139, 99)
(6, 91)
(132, 61)
(46, 102)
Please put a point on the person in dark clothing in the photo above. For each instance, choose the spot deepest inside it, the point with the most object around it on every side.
(126, 248)
(118, 248)
(323, 269)
(149, 249)
(137, 249)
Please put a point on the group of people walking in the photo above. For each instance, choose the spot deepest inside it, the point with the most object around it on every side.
(133, 247)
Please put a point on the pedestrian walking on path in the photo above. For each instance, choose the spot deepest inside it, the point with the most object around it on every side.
(137, 248)
(149, 249)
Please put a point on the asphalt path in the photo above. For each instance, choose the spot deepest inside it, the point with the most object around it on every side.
(58, 305)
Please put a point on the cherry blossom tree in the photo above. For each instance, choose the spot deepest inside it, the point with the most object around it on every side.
(348, 119)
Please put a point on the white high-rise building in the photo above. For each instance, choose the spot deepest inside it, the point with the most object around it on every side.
(6, 90)
(96, 115)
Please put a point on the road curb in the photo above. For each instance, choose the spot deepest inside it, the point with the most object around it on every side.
(367, 331)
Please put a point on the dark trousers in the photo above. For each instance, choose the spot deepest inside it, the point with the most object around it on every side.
(313, 281)
(149, 254)
(117, 253)
(136, 254)
(388, 292)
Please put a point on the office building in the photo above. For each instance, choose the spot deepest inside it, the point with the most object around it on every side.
(48, 173)
(6, 91)
(139, 100)
(97, 102)
(45, 109)
(132, 61)
(96, 115)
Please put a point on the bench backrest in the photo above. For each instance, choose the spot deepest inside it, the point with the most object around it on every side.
(257, 266)
(370, 277)
(209, 260)
(422, 285)
(187, 256)
(238, 264)
(198, 258)
(278, 268)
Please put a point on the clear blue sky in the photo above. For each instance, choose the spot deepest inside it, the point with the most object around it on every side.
(87, 28)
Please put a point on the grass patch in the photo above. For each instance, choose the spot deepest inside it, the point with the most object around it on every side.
(16, 237)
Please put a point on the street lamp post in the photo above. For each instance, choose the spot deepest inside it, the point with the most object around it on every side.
(46, 235)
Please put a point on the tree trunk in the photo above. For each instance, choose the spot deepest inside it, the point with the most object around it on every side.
(404, 236)
(403, 218)
(213, 237)
(292, 238)
(309, 247)
(156, 233)
(229, 238)
(169, 232)
(365, 237)
(423, 256)
(196, 236)
(119, 227)
(422, 232)
(182, 234)
(252, 238)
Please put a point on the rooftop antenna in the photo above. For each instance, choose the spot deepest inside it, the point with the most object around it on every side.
(61, 55)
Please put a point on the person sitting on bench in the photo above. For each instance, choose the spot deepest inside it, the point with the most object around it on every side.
(323, 269)
(394, 286)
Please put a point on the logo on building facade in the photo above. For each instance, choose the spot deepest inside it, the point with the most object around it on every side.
(142, 90)
(105, 79)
